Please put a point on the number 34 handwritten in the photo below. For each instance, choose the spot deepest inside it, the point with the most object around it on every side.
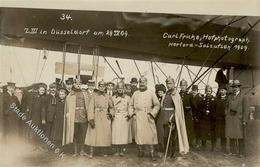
(65, 17)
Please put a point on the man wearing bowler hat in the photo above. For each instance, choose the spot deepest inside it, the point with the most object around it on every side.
(134, 83)
(236, 119)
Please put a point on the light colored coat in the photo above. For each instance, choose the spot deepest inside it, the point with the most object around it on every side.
(69, 116)
(234, 127)
(100, 136)
(121, 131)
(141, 104)
(180, 122)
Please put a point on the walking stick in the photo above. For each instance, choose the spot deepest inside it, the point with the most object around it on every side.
(168, 142)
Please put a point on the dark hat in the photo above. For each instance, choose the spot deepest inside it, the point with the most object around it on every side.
(69, 81)
(41, 85)
(160, 87)
(134, 80)
(63, 89)
(222, 86)
(120, 85)
(91, 82)
(236, 83)
(84, 78)
(208, 87)
(194, 88)
(53, 85)
(57, 81)
(110, 83)
(10, 84)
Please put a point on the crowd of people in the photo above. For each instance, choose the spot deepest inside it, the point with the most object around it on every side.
(119, 114)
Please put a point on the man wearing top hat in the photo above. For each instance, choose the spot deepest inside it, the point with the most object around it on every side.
(196, 113)
(172, 115)
(100, 115)
(76, 115)
(236, 119)
(219, 115)
(186, 100)
(144, 106)
(50, 108)
(11, 119)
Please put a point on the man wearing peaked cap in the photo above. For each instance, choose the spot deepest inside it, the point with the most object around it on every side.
(186, 100)
(110, 88)
(69, 84)
(76, 112)
(144, 106)
(207, 122)
(100, 116)
(134, 83)
(195, 101)
(91, 87)
(50, 106)
(11, 124)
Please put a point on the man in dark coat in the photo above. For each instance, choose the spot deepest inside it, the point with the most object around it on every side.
(1, 111)
(50, 107)
(11, 119)
(186, 100)
(219, 116)
(196, 113)
(236, 119)
(207, 122)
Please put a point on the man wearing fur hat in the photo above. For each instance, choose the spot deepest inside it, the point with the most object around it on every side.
(236, 119)
(100, 115)
(144, 106)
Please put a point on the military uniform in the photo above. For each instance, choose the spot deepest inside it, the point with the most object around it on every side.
(196, 114)
(219, 116)
(186, 100)
(121, 131)
(207, 121)
(100, 106)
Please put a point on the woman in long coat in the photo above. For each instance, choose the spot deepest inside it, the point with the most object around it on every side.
(236, 118)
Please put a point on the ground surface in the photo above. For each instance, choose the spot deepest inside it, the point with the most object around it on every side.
(21, 154)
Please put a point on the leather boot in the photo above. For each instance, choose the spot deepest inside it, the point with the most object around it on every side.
(140, 151)
(152, 153)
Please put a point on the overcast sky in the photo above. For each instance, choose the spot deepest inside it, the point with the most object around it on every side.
(23, 66)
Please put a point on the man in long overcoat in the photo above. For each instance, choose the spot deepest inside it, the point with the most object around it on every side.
(100, 113)
(172, 112)
(75, 118)
(236, 118)
(144, 106)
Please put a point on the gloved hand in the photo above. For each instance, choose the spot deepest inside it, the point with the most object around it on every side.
(92, 123)
(128, 117)
(233, 112)
(109, 116)
(150, 116)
